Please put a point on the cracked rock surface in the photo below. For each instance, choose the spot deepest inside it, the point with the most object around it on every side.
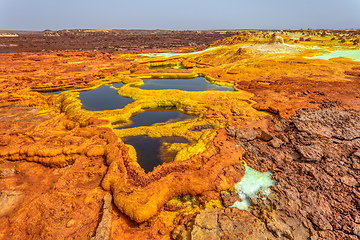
(316, 170)
(229, 223)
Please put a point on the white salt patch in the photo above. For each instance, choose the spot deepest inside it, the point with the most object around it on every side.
(253, 184)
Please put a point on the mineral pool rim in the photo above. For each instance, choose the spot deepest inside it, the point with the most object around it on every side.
(115, 85)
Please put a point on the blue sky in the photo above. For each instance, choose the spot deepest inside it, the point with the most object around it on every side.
(178, 15)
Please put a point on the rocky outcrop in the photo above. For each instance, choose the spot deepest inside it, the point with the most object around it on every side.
(230, 223)
(277, 40)
(316, 170)
(9, 200)
(103, 232)
(328, 123)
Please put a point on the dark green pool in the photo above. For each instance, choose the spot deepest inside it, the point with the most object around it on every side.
(151, 152)
(149, 118)
(103, 98)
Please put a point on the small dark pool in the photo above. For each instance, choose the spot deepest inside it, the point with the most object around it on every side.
(149, 118)
(103, 98)
(195, 84)
(152, 152)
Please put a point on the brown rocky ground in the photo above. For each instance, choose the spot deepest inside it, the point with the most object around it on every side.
(107, 41)
(54, 167)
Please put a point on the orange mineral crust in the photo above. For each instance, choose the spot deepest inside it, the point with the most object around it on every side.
(50, 177)
(134, 192)
(56, 71)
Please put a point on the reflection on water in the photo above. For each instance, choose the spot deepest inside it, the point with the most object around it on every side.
(151, 117)
(195, 84)
(118, 85)
(103, 98)
(152, 152)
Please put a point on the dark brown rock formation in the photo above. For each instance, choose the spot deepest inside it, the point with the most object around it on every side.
(316, 169)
